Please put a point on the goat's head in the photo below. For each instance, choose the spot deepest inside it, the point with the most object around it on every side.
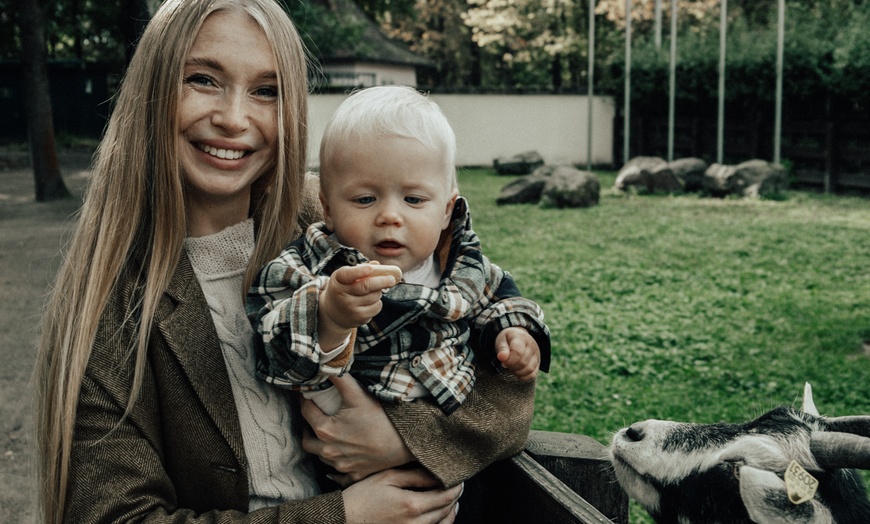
(734, 473)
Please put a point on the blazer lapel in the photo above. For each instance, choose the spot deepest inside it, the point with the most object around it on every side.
(186, 324)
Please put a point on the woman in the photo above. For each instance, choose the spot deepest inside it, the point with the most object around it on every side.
(146, 405)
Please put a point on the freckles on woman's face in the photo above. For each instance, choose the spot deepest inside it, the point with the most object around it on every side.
(228, 112)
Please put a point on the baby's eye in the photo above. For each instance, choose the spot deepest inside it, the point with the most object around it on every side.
(413, 200)
(364, 200)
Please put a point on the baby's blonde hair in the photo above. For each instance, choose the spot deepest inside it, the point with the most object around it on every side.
(389, 111)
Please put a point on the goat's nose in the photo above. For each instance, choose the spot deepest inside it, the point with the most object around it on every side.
(635, 433)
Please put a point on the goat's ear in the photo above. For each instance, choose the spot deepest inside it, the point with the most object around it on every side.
(808, 406)
(766, 500)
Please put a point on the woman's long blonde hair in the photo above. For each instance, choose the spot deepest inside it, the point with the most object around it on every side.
(133, 218)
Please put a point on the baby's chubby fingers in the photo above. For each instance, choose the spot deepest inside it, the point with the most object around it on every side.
(368, 278)
(383, 277)
(518, 352)
(379, 270)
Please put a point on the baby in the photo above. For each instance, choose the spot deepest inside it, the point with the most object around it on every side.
(392, 287)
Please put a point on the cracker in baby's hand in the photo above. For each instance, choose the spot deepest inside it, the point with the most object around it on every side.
(379, 270)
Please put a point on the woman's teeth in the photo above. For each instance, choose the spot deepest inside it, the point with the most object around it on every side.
(226, 154)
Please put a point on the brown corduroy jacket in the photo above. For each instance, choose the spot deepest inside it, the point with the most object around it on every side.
(178, 455)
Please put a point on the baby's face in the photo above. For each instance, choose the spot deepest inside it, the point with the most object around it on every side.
(388, 197)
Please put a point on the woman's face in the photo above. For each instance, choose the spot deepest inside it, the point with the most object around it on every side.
(228, 116)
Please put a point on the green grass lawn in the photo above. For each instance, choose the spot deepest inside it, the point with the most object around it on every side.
(688, 308)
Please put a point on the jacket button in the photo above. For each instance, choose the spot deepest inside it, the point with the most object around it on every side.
(416, 361)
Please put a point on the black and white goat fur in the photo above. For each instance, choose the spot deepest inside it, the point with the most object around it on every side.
(733, 473)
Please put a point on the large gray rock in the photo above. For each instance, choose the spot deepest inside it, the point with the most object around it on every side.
(525, 189)
(690, 171)
(753, 178)
(521, 164)
(646, 175)
(569, 187)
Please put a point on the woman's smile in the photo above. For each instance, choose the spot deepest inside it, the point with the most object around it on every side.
(226, 154)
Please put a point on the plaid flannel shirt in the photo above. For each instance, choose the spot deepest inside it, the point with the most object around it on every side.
(422, 335)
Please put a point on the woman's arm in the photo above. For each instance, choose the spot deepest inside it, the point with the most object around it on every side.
(366, 436)
(172, 459)
(122, 477)
(492, 424)
(119, 472)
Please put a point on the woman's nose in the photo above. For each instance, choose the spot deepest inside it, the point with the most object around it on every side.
(231, 113)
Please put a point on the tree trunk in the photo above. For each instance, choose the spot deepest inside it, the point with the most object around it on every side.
(40, 128)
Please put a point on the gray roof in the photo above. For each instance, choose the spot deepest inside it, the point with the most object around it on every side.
(374, 46)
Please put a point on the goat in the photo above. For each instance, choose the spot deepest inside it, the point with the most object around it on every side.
(740, 473)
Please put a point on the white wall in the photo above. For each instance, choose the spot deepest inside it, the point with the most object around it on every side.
(492, 126)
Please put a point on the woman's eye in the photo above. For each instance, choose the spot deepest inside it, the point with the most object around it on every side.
(266, 91)
(365, 200)
(199, 79)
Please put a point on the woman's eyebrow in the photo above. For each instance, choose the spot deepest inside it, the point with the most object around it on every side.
(204, 62)
(214, 64)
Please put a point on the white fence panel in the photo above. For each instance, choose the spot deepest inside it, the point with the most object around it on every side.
(492, 126)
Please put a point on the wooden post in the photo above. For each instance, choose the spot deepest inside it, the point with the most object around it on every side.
(831, 151)
(583, 464)
(560, 478)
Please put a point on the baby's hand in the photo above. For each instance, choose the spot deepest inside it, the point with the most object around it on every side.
(379, 270)
(518, 352)
(353, 295)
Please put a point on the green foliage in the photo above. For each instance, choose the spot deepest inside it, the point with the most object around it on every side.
(529, 45)
(851, 64)
(323, 30)
(826, 51)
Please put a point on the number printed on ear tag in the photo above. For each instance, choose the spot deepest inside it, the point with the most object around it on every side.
(800, 485)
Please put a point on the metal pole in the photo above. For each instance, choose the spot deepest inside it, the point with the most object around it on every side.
(627, 104)
(658, 24)
(720, 131)
(591, 85)
(673, 81)
(780, 44)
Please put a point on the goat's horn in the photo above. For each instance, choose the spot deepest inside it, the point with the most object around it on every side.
(833, 450)
(859, 425)
(808, 406)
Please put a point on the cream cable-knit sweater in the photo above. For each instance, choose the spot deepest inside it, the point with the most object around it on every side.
(279, 470)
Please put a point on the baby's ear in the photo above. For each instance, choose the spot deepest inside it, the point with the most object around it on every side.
(448, 211)
(327, 216)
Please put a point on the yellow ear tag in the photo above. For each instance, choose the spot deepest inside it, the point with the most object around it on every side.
(800, 485)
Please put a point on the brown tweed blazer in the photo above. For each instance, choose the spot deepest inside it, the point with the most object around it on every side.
(178, 455)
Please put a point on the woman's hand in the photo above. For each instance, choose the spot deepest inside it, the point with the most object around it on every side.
(358, 440)
(401, 496)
